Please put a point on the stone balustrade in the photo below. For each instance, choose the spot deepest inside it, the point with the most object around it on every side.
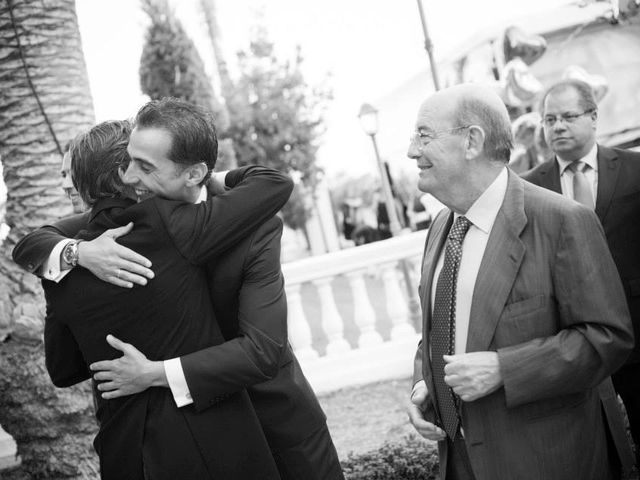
(349, 324)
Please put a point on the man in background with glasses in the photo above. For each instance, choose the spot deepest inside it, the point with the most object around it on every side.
(608, 181)
(523, 309)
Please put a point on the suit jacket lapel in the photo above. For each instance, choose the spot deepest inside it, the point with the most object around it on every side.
(499, 267)
(550, 176)
(608, 170)
(440, 229)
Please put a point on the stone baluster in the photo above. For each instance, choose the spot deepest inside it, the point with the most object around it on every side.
(396, 303)
(332, 323)
(363, 312)
(299, 331)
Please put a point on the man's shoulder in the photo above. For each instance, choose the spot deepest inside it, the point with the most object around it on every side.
(535, 173)
(551, 207)
(630, 157)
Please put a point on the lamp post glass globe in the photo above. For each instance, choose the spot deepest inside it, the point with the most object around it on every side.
(368, 119)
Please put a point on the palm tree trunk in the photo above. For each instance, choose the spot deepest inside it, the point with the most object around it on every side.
(45, 101)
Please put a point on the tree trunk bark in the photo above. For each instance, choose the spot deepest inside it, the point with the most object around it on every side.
(45, 101)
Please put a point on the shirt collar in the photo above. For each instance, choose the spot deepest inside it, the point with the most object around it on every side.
(591, 159)
(485, 209)
(203, 195)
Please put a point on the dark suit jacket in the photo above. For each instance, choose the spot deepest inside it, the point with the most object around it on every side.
(247, 290)
(618, 208)
(171, 316)
(548, 299)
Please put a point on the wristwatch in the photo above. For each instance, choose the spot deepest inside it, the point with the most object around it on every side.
(70, 252)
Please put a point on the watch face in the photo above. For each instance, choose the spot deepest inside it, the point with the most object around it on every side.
(69, 253)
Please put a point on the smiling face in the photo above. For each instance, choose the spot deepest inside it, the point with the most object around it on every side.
(440, 156)
(150, 171)
(67, 184)
(570, 140)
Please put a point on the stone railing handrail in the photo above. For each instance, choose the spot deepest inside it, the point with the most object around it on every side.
(335, 263)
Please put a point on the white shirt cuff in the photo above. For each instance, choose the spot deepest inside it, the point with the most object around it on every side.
(51, 268)
(177, 382)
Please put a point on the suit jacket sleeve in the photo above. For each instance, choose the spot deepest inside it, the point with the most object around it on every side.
(200, 232)
(63, 359)
(255, 355)
(33, 250)
(594, 334)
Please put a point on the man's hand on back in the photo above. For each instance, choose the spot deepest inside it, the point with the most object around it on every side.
(129, 374)
(112, 262)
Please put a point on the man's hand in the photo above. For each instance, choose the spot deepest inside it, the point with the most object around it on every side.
(414, 409)
(473, 375)
(129, 374)
(112, 262)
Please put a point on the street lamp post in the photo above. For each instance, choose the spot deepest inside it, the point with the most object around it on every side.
(368, 116)
(428, 46)
(369, 119)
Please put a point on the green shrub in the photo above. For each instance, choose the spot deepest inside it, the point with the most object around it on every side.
(412, 459)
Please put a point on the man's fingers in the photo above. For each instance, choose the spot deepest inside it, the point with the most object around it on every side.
(103, 376)
(107, 386)
(118, 282)
(120, 231)
(134, 262)
(130, 278)
(102, 365)
(427, 429)
(113, 394)
(117, 344)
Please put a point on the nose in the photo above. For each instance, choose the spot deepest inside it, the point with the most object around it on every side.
(67, 184)
(129, 176)
(559, 126)
(414, 151)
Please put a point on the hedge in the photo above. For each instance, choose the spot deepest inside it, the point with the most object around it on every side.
(412, 459)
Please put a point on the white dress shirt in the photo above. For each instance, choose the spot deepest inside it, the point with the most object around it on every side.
(566, 175)
(482, 216)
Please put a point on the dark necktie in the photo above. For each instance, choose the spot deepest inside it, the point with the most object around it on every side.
(444, 324)
(582, 190)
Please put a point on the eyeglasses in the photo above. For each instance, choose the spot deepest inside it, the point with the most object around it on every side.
(550, 120)
(424, 137)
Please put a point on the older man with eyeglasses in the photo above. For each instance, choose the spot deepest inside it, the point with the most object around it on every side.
(607, 180)
(523, 309)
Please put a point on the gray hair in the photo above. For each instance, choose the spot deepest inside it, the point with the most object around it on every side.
(496, 125)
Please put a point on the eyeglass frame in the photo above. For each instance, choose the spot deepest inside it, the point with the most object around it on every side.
(431, 136)
(567, 118)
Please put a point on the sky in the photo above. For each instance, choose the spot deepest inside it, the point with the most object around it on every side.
(363, 49)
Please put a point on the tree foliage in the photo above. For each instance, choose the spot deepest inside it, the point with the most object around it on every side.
(170, 65)
(276, 119)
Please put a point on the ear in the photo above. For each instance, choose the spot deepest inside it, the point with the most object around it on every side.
(594, 119)
(475, 142)
(196, 173)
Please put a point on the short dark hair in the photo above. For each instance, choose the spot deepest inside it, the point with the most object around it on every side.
(96, 156)
(583, 89)
(192, 130)
(498, 141)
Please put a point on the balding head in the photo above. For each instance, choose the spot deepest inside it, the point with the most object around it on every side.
(471, 104)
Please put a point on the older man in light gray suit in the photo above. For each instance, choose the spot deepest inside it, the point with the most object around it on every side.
(523, 310)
